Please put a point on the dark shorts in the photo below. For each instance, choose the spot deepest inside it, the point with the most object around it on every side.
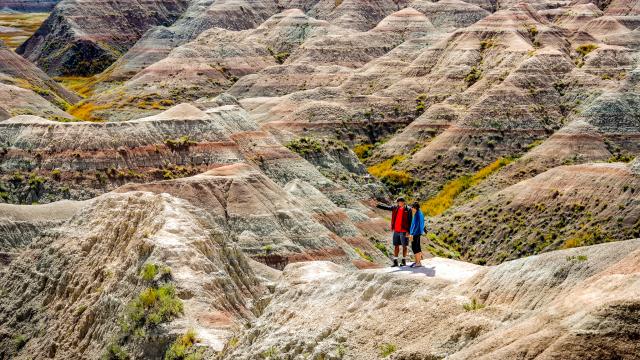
(400, 239)
(415, 244)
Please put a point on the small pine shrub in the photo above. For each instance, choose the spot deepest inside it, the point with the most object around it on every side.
(304, 146)
(115, 352)
(387, 349)
(473, 76)
(183, 348)
(473, 305)
(149, 272)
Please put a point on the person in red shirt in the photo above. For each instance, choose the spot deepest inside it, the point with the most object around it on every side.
(400, 225)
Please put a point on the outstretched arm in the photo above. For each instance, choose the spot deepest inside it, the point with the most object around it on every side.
(384, 207)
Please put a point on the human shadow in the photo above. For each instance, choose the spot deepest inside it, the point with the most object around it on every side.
(427, 271)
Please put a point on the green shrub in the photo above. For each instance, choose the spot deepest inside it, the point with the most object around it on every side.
(19, 342)
(183, 348)
(387, 349)
(304, 146)
(271, 353)
(585, 49)
(473, 305)
(473, 76)
(382, 247)
(363, 151)
(181, 143)
(363, 255)
(152, 307)
(149, 272)
(115, 352)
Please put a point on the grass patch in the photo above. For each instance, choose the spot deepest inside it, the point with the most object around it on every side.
(382, 247)
(578, 258)
(396, 179)
(445, 198)
(153, 306)
(84, 111)
(115, 352)
(363, 255)
(19, 342)
(387, 349)
(183, 348)
(592, 236)
(304, 146)
(473, 76)
(363, 151)
(584, 50)
(181, 143)
(473, 305)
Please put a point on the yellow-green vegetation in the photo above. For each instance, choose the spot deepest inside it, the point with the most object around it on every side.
(584, 50)
(382, 247)
(280, 56)
(473, 305)
(115, 352)
(183, 348)
(54, 98)
(420, 103)
(81, 85)
(363, 255)
(271, 353)
(149, 272)
(304, 146)
(577, 258)
(153, 306)
(395, 179)
(181, 143)
(84, 111)
(593, 235)
(473, 76)
(19, 342)
(487, 44)
(621, 157)
(25, 24)
(387, 349)
(444, 199)
(363, 151)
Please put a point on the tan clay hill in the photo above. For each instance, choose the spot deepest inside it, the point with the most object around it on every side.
(196, 179)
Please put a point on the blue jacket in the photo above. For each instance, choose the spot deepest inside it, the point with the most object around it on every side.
(417, 225)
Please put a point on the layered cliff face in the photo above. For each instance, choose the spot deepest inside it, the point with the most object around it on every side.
(568, 304)
(126, 274)
(66, 44)
(27, 90)
(212, 195)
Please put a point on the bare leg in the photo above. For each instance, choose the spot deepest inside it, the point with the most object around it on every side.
(396, 250)
(404, 251)
(418, 258)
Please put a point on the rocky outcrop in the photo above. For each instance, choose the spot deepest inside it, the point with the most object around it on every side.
(27, 90)
(293, 223)
(542, 305)
(67, 45)
(83, 279)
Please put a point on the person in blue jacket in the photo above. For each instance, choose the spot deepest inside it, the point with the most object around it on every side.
(417, 229)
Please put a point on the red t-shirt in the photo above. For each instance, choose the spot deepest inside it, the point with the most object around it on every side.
(397, 224)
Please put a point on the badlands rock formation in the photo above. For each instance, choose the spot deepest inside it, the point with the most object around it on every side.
(27, 90)
(196, 179)
(544, 307)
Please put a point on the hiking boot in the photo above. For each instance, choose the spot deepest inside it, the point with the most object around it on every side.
(395, 263)
(404, 262)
